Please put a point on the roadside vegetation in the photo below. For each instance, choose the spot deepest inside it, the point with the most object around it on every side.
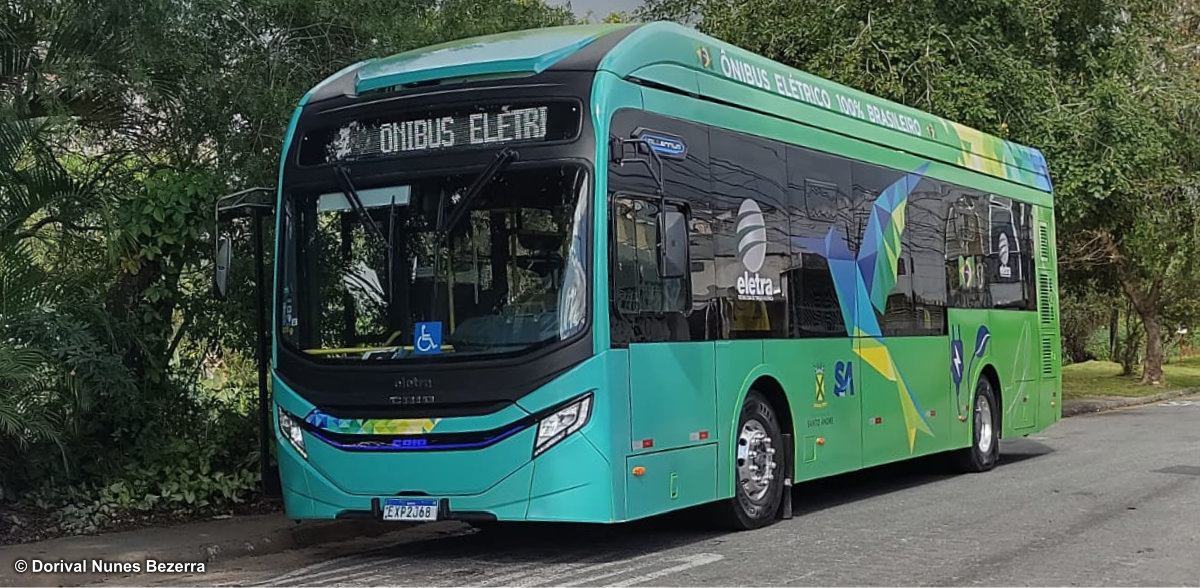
(127, 394)
(1105, 378)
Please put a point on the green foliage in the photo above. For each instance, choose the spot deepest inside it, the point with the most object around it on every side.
(1081, 315)
(978, 63)
(1105, 378)
(180, 480)
(25, 416)
(125, 389)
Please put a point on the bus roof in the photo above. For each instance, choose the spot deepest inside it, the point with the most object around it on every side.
(684, 60)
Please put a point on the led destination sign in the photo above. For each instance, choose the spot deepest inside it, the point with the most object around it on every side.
(523, 124)
(415, 133)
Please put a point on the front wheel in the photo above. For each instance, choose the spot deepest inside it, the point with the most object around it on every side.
(759, 468)
(981, 456)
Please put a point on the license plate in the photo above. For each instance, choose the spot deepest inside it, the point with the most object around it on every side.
(395, 509)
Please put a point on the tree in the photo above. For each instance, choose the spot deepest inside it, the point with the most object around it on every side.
(120, 123)
(1127, 164)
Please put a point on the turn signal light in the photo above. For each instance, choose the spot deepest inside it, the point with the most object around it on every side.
(639, 471)
(820, 440)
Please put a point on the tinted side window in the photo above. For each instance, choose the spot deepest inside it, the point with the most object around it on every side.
(686, 178)
(1010, 261)
(967, 249)
(924, 242)
(819, 201)
(704, 319)
(646, 306)
(898, 315)
(989, 252)
(751, 233)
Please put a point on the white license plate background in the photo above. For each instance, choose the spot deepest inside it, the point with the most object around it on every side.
(409, 510)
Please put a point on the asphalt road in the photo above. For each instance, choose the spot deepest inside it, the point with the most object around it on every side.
(1105, 499)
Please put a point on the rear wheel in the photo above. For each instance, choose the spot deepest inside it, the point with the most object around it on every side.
(981, 456)
(758, 468)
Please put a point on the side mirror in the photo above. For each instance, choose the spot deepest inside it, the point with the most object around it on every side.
(673, 255)
(221, 272)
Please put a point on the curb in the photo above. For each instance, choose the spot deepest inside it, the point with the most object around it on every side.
(300, 535)
(1092, 405)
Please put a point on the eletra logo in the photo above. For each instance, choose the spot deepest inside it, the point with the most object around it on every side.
(1005, 270)
(752, 251)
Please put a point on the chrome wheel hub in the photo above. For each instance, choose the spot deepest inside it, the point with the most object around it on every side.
(755, 460)
(983, 424)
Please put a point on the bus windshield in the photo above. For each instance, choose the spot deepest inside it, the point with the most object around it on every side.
(508, 276)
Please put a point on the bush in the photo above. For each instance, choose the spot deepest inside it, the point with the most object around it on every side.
(187, 475)
(1082, 317)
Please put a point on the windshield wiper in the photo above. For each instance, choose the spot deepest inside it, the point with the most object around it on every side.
(484, 178)
(342, 174)
(446, 224)
(347, 185)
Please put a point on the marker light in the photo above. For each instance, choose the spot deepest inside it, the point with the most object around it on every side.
(290, 428)
(563, 422)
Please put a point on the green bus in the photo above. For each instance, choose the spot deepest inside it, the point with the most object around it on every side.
(597, 273)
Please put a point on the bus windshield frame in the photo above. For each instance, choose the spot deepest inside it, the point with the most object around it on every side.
(535, 216)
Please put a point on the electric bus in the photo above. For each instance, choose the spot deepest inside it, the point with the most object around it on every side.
(597, 273)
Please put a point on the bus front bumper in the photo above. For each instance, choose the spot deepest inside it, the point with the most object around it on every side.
(570, 482)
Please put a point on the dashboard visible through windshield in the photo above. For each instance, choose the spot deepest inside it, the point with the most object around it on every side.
(366, 274)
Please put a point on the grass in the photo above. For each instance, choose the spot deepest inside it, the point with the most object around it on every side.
(1102, 378)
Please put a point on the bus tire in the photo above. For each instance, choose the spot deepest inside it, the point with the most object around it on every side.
(984, 451)
(758, 468)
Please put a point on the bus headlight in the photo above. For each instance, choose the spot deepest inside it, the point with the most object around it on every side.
(290, 428)
(561, 423)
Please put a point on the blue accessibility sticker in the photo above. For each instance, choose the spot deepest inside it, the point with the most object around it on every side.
(427, 338)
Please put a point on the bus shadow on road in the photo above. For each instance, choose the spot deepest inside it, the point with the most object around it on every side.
(807, 497)
(534, 542)
(868, 483)
(507, 548)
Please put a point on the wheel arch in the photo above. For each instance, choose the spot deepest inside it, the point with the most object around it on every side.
(762, 381)
(770, 388)
(989, 371)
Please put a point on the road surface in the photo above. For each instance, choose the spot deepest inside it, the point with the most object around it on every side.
(1104, 499)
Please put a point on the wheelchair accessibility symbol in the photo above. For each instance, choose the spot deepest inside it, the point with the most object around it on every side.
(427, 338)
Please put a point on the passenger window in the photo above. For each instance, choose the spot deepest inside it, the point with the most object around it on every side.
(638, 284)
(1010, 259)
(752, 235)
(967, 249)
(924, 243)
(821, 207)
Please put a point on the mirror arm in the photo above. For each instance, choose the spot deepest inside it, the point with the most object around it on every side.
(252, 202)
(617, 146)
